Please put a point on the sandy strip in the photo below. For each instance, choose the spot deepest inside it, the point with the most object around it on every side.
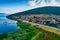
(44, 27)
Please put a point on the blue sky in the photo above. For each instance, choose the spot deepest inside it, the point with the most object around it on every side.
(13, 6)
(12, 1)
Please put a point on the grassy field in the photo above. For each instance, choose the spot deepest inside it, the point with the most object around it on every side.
(42, 34)
(27, 32)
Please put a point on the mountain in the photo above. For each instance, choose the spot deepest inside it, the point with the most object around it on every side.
(40, 10)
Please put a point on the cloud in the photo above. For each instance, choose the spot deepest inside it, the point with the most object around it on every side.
(11, 10)
(45, 3)
(25, 7)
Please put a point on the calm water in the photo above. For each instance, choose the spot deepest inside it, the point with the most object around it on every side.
(7, 25)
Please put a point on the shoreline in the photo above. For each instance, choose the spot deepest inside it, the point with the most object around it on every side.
(48, 28)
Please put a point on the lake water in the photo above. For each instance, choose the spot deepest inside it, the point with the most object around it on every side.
(7, 25)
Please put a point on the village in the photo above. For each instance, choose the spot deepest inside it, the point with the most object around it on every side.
(50, 20)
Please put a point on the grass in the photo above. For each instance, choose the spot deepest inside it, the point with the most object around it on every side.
(29, 33)
(41, 36)
(37, 37)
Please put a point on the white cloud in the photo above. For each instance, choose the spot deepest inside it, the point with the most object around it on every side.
(12, 10)
(23, 8)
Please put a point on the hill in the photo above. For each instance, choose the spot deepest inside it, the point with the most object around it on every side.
(40, 10)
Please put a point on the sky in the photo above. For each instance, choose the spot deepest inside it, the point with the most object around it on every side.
(14, 6)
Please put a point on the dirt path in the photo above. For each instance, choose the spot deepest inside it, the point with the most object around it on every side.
(44, 27)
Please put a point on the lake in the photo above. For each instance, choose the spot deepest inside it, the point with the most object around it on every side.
(7, 25)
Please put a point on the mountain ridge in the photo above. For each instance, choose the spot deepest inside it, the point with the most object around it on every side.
(40, 10)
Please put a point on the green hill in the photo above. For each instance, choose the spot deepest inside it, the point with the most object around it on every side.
(40, 10)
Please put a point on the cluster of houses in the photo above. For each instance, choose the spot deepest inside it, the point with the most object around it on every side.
(40, 20)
